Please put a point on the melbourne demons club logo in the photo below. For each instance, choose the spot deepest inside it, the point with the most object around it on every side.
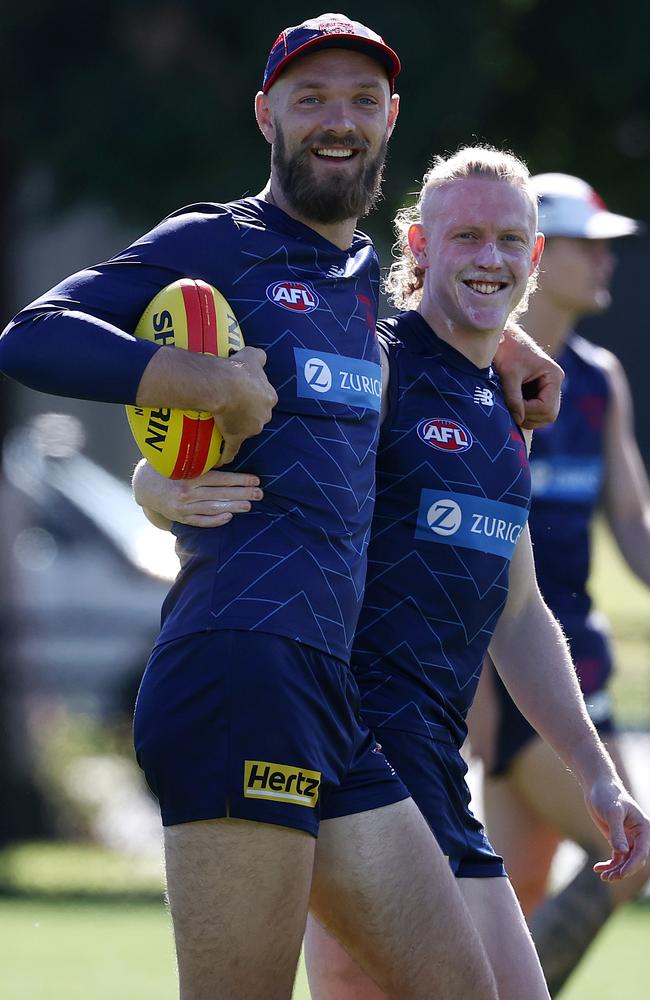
(444, 434)
(293, 295)
(336, 27)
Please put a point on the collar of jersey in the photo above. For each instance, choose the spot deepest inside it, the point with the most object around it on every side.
(425, 341)
(279, 219)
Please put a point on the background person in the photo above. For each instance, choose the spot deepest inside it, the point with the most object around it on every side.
(587, 461)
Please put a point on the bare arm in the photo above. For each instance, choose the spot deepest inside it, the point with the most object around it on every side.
(206, 502)
(90, 318)
(484, 716)
(626, 492)
(531, 379)
(532, 657)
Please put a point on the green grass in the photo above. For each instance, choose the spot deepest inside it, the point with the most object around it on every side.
(90, 951)
(78, 922)
(62, 950)
(625, 602)
(618, 965)
(98, 950)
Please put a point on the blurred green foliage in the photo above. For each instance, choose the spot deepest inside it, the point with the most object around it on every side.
(148, 105)
(70, 870)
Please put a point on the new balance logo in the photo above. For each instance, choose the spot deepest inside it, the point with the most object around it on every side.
(483, 396)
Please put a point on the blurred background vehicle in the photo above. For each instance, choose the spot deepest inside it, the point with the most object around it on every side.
(89, 571)
(84, 577)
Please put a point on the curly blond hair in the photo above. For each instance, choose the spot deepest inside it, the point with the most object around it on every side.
(404, 281)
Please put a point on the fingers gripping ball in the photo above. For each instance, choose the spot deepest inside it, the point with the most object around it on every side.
(190, 314)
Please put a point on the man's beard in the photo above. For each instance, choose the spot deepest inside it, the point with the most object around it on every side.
(327, 200)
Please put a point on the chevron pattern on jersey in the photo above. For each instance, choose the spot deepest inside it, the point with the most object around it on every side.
(432, 603)
(295, 565)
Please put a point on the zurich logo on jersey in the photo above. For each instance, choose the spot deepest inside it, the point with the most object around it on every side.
(444, 434)
(335, 378)
(318, 375)
(444, 517)
(293, 295)
(470, 522)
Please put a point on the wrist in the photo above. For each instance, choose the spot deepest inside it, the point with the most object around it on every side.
(592, 765)
(182, 380)
(222, 384)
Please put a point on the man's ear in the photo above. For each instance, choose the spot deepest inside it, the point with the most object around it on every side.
(264, 116)
(418, 243)
(393, 112)
(538, 250)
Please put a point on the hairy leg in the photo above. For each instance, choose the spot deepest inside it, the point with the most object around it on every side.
(506, 938)
(238, 893)
(332, 973)
(383, 888)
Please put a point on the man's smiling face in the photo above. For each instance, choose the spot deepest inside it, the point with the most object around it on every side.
(481, 249)
(332, 115)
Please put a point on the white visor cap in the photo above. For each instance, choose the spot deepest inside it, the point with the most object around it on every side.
(570, 207)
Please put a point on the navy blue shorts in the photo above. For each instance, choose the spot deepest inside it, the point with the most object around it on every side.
(259, 727)
(434, 773)
(515, 732)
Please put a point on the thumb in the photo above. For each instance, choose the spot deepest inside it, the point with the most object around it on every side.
(514, 397)
(616, 832)
(231, 446)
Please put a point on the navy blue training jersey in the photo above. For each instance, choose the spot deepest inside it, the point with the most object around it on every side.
(453, 489)
(567, 464)
(295, 565)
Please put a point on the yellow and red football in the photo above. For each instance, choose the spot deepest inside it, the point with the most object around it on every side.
(192, 315)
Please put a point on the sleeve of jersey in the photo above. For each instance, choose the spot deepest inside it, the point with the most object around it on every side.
(77, 339)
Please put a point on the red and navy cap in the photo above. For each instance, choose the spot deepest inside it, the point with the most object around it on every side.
(329, 31)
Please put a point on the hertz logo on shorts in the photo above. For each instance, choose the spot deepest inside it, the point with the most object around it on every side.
(280, 782)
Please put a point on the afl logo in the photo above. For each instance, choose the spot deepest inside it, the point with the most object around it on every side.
(444, 517)
(444, 434)
(318, 375)
(293, 295)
